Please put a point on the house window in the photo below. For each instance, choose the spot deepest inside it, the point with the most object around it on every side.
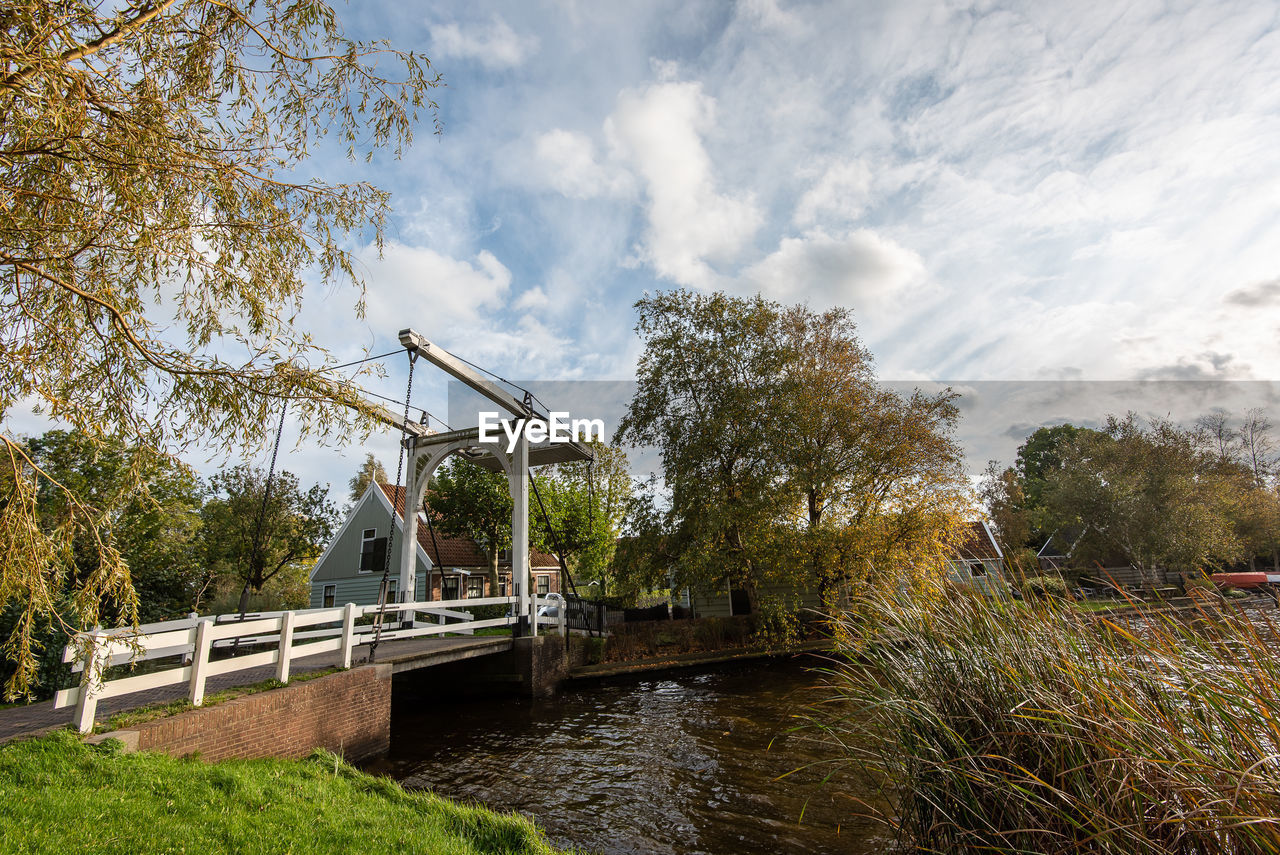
(330, 594)
(977, 568)
(502, 586)
(392, 584)
(449, 588)
(544, 585)
(373, 552)
(475, 587)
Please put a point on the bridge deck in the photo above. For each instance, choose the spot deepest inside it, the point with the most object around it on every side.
(407, 655)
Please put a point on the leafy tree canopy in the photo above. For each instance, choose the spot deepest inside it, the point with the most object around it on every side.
(585, 505)
(470, 501)
(254, 530)
(782, 459)
(157, 226)
(370, 472)
(1149, 493)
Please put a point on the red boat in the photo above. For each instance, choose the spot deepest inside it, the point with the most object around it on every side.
(1245, 580)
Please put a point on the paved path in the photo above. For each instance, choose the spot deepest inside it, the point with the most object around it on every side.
(34, 719)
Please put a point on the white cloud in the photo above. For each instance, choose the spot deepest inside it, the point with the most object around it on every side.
(659, 130)
(567, 161)
(854, 270)
(841, 193)
(767, 15)
(495, 45)
(410, 282)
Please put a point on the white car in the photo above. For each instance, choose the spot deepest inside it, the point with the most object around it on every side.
(551, 609)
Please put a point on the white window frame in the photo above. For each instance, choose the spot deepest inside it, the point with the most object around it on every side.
(369, 534)
(328, 596)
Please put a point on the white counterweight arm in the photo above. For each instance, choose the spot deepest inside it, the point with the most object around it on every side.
(443, 359)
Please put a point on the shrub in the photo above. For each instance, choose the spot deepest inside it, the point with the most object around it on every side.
(1045, 586)
(1004, 727)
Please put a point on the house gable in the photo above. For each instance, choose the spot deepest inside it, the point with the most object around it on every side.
(341, 559)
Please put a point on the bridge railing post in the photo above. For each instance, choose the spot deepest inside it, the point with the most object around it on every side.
(348, 633)
(286, 646)
(200, 661)
(87, 703)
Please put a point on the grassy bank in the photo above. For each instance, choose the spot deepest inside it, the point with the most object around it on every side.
(1042, 729)
(61, 796)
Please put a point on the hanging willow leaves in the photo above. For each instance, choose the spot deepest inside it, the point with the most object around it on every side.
(155, 231)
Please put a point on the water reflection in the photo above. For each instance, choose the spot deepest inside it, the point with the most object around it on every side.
(686, 763)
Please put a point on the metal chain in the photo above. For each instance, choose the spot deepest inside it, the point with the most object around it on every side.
(391, 528)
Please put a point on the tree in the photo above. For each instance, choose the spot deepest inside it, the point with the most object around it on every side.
(156, 533)
(704, 385)
(370, 472)
(1152, 495)
(879, 475)
(1257, 448)
(157, 229)
(253, 535)
(1039, 459)
(1006, 503)
(470, 501)
(156, 529)
(585, 504)
(784, 461)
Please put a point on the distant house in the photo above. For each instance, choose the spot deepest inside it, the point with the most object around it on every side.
(979, 562)
(350, 570)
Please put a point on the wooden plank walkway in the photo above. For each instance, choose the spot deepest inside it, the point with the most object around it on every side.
(407, 655)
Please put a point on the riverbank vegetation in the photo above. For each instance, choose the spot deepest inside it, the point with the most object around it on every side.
(1003, 727)
(61, 795)
(1148, 495)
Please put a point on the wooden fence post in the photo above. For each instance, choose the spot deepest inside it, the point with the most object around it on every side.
(286, 646)
(87, 703)
(348, 633)
(200, 662)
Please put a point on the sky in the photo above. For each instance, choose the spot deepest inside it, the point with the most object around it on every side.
(1027, 191)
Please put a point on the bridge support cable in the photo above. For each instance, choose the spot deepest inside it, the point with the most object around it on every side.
(564, 567)
(256, 559)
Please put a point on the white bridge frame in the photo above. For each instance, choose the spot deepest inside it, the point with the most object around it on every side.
(194, 639)
(294, 634)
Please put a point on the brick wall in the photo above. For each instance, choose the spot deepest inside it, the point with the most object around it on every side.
(348, 713)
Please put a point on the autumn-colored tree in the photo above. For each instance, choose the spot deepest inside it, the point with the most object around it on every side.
(879, 475)
(157, 227)
(1148, 493)
(784, 460)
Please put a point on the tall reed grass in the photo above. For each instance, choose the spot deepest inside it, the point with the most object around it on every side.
(1035, 728)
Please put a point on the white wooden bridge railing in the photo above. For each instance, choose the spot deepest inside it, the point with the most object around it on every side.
(295, 634)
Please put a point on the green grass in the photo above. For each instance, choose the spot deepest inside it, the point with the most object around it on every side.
(494, 630)
(61, 796)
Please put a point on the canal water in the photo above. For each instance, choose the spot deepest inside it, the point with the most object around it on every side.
(684, 762)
